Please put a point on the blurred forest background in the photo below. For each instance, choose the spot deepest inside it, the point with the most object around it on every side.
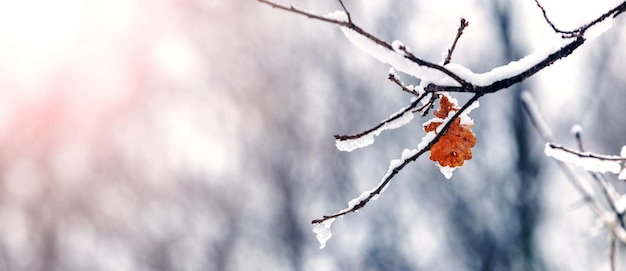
(197, 135)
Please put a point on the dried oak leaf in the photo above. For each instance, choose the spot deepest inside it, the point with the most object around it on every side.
(455, 146)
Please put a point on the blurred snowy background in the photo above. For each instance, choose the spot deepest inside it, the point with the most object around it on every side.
(197, 135)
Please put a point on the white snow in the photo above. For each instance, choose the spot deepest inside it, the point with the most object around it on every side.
(426, 139)
(576, 130)
(399, 47)
(395, 57)
(322, 231)
(622, 175)
(353, 202)
(620, 204)
(446, 171)
(337, 15)
(599, 28)
(349, 145)
(385, 55)
(502, 72)
(587, 163)
(465, 119)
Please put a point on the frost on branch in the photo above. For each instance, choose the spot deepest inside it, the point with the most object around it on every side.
(455, 146)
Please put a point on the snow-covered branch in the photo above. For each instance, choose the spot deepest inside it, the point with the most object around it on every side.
(587, 160)
(322, 228)
(437, 80)
(612, 219)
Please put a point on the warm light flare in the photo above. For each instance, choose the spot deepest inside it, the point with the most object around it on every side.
(86, 59)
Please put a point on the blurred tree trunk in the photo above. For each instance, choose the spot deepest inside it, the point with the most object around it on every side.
(526, 203)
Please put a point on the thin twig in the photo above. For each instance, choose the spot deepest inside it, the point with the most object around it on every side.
(459, 32)
(581, 30)
(346, 11)
(394, 78)
(587, 154)
(429, 105)
(388, 120)
(545, 16)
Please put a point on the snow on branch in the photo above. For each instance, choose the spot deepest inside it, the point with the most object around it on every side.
(322, 226)
(612, 219)
(437, 80)
(587, 160)
(351, 142)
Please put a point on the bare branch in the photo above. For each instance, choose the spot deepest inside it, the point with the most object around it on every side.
(545, 16)
(394, 78)
(346, 11)
(306, 13)
(429, 105)
(459, 32)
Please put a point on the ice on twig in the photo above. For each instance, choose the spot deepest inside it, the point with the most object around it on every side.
(394, 121)
(322, 231)
(586, 161)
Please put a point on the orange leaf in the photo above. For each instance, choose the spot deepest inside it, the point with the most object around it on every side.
(455, 146)
(446, 106)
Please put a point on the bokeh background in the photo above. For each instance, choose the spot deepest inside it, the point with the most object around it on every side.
(197, 135)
